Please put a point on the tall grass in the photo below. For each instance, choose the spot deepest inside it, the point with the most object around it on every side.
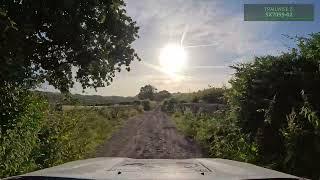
(74, 134)
(218, 135)
(41, 137)
(209, 95)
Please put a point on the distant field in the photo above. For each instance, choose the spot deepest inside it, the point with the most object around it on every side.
(55, 98)
(69, 107)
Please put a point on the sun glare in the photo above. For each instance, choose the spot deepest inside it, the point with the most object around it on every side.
(173, 59)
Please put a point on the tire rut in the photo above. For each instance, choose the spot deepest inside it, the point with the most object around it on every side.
(150, 135)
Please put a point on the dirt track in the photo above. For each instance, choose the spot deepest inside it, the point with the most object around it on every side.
(150, 135)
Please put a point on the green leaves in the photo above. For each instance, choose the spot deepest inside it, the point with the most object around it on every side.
(218, 135)
(19, 130)
(147, 92)
(161, 95)
(92, 38)
(310, 47)
(37, 137)
(263, 94)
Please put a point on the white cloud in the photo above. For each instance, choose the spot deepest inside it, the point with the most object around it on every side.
(208, 22)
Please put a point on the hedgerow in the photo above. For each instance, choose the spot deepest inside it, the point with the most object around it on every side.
(273, 116)
(35, 136)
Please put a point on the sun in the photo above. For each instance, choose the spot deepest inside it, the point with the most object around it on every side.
(173, 58)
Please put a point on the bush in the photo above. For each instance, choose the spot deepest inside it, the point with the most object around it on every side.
(33, 136)
(276, 101)
(274, 113)
(195, 99)
(23, 116)
(146, 105)
(220, 137)
(301, 141)
(169, 105)
(209, 95)
(137, 103)
(74, 134)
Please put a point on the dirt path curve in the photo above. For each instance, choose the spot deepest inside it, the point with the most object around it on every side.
(150, 135)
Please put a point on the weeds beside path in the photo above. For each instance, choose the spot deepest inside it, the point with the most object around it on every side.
(45, 137)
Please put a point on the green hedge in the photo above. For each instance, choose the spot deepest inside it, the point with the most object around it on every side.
(23, 116)
(274, 113)
(33, 136)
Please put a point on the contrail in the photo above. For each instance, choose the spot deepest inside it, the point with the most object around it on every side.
(202, 45)
(179, 76)
(209, 67)
(194, 46)
(184, 34)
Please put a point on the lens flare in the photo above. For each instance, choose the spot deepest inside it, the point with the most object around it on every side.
(173, 58)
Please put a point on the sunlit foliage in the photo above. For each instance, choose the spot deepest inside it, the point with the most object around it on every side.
(62, 41)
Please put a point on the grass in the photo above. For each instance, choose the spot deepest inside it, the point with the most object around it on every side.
(54, 137)
(76, 133)
(218, 135)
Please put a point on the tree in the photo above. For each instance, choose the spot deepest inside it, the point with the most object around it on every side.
(161, 95)
(60, 41)
(147, 92)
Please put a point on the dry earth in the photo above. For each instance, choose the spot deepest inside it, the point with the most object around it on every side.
(150, 135)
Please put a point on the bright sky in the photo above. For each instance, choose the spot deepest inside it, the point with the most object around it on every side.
(216, 23)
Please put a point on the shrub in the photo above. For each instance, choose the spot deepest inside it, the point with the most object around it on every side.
(220, 137)
(33, 136)
(146, 105)
(137, 103)
(301, 141)
(23, 116)
(169, 105)
(211, 95)
(195, 99)
(75, 134)
(273, 117)
(264, 93)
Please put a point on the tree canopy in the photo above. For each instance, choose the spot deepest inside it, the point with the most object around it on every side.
(61, 41)
(147, 92)
(161, 95)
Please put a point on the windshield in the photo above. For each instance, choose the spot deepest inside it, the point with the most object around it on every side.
(166, 79)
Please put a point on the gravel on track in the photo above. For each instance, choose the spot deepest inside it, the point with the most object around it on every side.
(151, 135)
